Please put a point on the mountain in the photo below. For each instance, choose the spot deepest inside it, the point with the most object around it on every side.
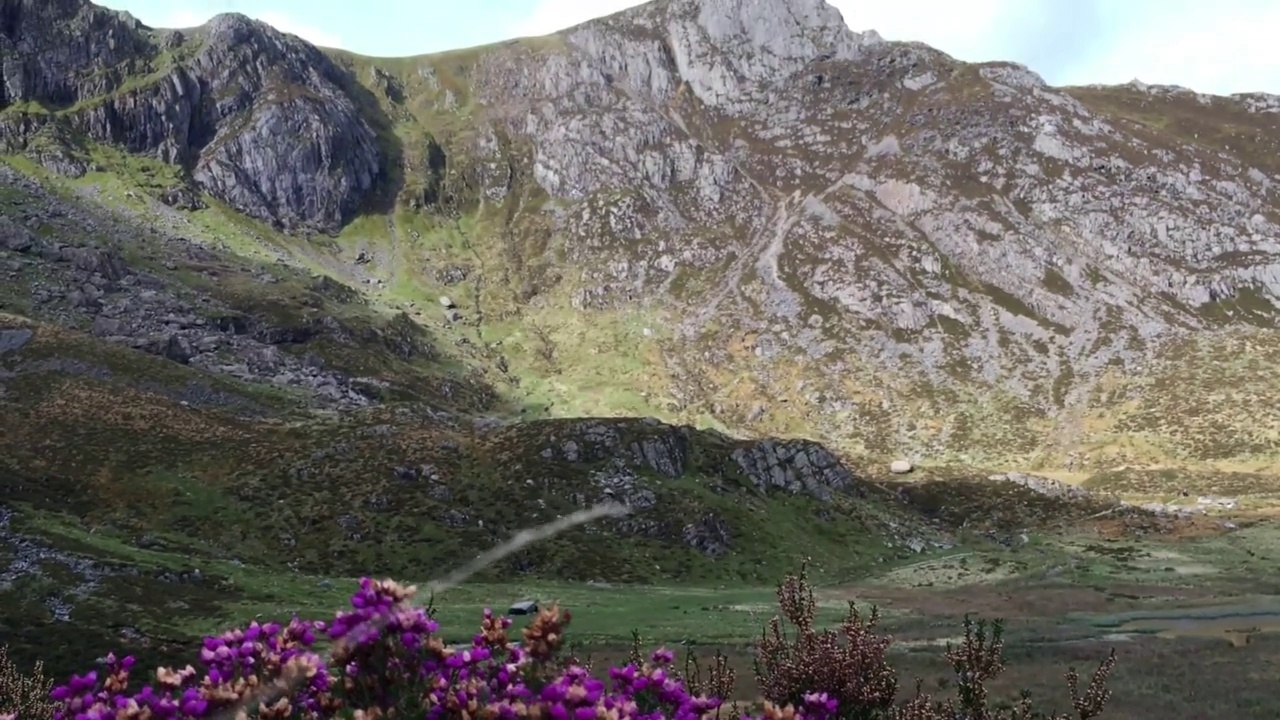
(276, 307)
(923, 257)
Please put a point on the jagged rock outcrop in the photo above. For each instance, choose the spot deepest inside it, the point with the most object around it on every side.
(795, 467)
(728, 52)
(259, 119)
(61, 52)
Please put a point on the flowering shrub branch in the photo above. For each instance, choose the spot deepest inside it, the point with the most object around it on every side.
(846, 666)
(386, 659)
(23, 693)
(844, 672)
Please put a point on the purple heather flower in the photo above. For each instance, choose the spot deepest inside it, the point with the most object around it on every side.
(473, 674)
(663, 656)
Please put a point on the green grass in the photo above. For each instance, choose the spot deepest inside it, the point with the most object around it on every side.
(140, 589)
(153, 590)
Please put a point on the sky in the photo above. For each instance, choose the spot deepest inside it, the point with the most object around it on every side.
(1214, 46)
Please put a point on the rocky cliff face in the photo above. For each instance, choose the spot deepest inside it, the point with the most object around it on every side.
(257, 118)
(828, 200)
(922, 256)
(870, 182)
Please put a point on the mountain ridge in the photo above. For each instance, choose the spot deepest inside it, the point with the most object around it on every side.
(947, 258)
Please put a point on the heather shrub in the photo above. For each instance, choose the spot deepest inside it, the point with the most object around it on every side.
(384, 657)
(25, 694)
(848, 666)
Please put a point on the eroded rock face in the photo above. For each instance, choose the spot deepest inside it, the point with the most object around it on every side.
(61, 52)
(727, 51)
(842, 143)
(791, 466)
(262, 120)
(794, 467)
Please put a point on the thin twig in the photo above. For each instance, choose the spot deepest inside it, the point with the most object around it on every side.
(518, 541)
(523, 538)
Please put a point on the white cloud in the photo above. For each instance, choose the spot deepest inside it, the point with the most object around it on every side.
(189, 17)
(1227, 47)
(286, 23)
(1219, 46)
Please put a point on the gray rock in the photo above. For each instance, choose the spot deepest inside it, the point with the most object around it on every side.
(14, 340)
(171, 346)
(666, 454)
(106, 327)
(1043, 485)
(14, 237)
(262, 117)
(794, 467)
(709, 535)
(452, 274)
(106, 263)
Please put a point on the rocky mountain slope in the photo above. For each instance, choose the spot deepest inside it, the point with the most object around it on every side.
(789, 226)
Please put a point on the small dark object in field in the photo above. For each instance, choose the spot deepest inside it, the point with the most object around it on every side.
(524, 607)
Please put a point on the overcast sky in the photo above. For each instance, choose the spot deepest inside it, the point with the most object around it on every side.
(1217, 46)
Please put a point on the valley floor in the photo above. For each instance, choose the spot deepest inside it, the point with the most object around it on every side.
(1195, 620)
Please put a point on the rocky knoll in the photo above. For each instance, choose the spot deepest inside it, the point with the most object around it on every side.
(259, 119)
(128, 352)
